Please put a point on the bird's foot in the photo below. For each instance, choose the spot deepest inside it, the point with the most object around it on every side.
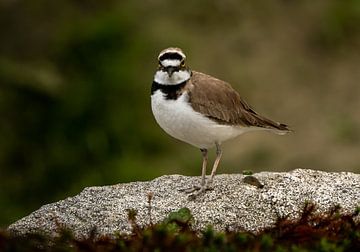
(197, 190)
(201, 191)
(190, 189)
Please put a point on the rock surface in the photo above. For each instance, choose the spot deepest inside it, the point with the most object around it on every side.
(233, 204)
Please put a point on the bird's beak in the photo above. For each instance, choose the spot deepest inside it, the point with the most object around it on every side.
(170, 70)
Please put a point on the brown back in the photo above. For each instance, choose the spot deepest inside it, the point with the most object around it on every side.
(220, 102)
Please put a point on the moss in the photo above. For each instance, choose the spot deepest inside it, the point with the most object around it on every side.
(247, 172)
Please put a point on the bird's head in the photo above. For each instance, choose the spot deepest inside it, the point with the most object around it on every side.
(172, 60)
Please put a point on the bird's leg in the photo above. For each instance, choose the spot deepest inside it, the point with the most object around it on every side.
(215, 166)
(208, 184)
(204, 153)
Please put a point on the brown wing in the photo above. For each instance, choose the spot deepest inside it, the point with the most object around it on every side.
(220, 102)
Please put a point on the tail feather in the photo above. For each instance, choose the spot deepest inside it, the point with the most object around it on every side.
(278, 128)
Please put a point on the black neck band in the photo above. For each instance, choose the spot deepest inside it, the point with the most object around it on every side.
(172, 92)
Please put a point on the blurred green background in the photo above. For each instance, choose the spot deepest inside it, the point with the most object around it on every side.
(75, 81)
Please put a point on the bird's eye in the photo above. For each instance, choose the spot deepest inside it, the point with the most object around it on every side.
(182, 63)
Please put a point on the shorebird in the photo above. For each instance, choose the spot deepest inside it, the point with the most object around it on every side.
(201, 110)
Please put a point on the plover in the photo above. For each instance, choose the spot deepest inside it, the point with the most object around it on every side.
(201, 110)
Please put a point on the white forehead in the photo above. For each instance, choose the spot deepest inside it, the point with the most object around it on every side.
(170, 62)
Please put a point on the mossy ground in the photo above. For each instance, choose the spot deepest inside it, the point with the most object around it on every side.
(311, 232)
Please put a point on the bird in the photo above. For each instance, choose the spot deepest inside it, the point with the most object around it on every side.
(201, 110)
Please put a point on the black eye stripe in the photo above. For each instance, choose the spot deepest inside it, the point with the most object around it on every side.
(175, 56)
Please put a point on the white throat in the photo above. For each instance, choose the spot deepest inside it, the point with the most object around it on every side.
(162, 77)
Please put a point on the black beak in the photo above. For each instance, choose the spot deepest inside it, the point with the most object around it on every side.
(170, 70)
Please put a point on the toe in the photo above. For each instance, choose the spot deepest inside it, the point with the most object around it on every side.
(190, 190)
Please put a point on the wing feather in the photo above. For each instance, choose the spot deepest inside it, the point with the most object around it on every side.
(220, 102)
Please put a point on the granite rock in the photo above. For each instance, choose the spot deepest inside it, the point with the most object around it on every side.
(234, 204)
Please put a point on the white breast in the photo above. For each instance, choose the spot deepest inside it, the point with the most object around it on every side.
(179, 120)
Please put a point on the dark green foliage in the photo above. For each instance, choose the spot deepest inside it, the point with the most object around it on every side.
(311, 232)
(69, 84)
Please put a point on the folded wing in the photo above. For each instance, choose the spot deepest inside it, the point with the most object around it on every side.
(220, 102)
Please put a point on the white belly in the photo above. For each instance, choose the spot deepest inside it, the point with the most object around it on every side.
(179, 120)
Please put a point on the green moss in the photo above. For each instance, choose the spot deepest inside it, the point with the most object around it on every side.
(267, 241)
(247, 172)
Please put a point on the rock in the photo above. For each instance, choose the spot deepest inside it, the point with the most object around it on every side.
(232, 205)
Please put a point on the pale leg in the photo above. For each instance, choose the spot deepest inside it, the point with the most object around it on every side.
(204, 165)
(208, 184)
(204, 153)
(215, 166)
